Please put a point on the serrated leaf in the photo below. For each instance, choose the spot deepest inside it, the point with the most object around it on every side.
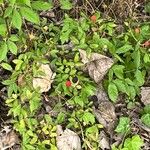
(6, 66)
(146, 119)
(8, 82)
(112, 92)
(30, 15)
(124, 49)
(137, 58)
(26, 2)
(128, 81)
(3, 51)
(41, 5)
(18, 63)
(60, 118)
(8, 11)
(76, 58)
(124, 125)
(66, 4)
(88, 118)
(120, 85)
(134, 143)
(146, 58)
(131, 91)
(14, 38)
(3, 29)
(78, 100)
(139, 78)
(118, 71)
(146, 109)
(16, 19)
(12, 47)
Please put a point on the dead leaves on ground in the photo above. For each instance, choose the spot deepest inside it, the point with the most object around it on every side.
(145, 95)
(96, 65)
(105, 110)
(67, 139)
(44, 81)
(8, 138)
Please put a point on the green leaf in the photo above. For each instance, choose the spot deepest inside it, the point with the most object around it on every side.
(41, 5)
(12, 2)
(34, 103)
(124, 49)
(120, 85)
(66, 4)
(8, 11)
(137, 58)
(60, 118)
(140, 79)
(118, 71)
(105, 42)
(28, 146)
(6, 66)
(88, 118)
(134, 143)
(26, 2)
(30, 15)
(1, 2)
(146, 109)
(110, 74)
(14, 38)
(112, 92)
(76, 58)
(3, 51)
(12, 47)
(16, 19)
(147, 7)
(131, 92)
(3, 29)
(78, 100)
(8, 82)
(128, 81)
(124, 125)
(18, 64)
(146, 58)
(146, 119)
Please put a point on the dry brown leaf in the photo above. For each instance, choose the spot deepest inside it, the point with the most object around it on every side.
(105, 114)
(97, 65)
(44, 81)
(104, 110)
(8, 138)
(101, 94)
(104, 141)
(145, 95)
(67, 139)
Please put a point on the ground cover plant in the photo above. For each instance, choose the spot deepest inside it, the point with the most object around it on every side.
(74, 75)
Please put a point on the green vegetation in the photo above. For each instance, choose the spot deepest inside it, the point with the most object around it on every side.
(27, 41)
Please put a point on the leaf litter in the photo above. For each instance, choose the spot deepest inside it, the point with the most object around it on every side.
(97, 66)
(67, 139)
(44, 81)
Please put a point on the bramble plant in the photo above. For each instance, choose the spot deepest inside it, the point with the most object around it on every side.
(133, 143)
(145, 115)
